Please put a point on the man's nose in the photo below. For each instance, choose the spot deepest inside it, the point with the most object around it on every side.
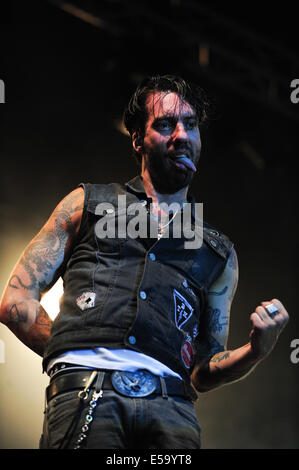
(180, 133)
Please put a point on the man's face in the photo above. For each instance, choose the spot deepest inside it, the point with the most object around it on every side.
(171, 145)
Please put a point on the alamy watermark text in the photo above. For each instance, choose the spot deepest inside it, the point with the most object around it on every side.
(2, 91)
(133, 221)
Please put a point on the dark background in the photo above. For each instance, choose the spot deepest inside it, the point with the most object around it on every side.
(67, 82)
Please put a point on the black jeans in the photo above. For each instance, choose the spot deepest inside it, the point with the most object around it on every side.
(121, 422)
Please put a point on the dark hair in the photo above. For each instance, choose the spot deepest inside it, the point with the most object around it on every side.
(135, 114)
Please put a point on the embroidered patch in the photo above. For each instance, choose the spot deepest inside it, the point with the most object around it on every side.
(183, 310)
(187, 353)
(86, 300)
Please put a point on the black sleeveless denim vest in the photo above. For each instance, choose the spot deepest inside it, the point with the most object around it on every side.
(144, 294)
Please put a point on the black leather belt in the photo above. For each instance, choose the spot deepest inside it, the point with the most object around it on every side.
(69, 381)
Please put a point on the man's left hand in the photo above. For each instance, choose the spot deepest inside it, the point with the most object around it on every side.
(265, 330)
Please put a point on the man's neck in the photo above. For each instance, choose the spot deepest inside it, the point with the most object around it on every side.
(158, 198)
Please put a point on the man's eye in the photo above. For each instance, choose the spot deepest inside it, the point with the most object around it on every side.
(164, 125)
(191, 124)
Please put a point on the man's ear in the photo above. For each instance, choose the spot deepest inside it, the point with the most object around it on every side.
(137, 142)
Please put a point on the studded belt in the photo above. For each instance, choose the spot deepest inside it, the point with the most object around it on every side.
(131, 384)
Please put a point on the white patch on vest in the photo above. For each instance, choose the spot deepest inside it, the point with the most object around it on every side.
(183, 310)
(86, 300)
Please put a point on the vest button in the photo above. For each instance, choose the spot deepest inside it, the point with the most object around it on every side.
(213, 243)
(152, 256)
(132, 339)
(142, 295)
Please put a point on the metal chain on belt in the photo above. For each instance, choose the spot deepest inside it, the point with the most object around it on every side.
(88, 419)
(83, 395)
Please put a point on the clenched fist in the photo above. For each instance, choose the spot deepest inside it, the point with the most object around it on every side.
(265, 330)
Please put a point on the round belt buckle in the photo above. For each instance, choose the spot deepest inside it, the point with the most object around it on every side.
(133, 384)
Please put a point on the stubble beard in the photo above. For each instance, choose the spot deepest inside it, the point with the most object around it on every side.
(165, 176)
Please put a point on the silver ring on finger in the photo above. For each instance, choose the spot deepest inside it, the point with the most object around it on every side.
(272, 310)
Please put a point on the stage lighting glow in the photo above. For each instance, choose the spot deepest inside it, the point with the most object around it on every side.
(119, 125)
(50, 301)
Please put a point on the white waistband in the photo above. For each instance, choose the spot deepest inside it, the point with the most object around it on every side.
(114, 359)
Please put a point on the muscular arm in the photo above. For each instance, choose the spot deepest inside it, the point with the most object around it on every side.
(37, 270)
(223, 366)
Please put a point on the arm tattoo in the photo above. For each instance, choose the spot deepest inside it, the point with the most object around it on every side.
(219, 357)
(206, 343)
(40, 257)
(39, 266)
(31, 324)
(223, 291)
(215, 325)
(45, 251)
(16, 316)
(29, 310)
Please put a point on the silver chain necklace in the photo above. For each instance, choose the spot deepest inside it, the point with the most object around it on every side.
(161, 228)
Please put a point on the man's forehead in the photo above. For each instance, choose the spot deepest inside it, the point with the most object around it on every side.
(167, 103)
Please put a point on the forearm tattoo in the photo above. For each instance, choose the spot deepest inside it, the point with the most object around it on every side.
(220, 357)
(15, 315)
(31, 324)
(23, 311)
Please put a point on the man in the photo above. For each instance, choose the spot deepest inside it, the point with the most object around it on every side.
(143, 320)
